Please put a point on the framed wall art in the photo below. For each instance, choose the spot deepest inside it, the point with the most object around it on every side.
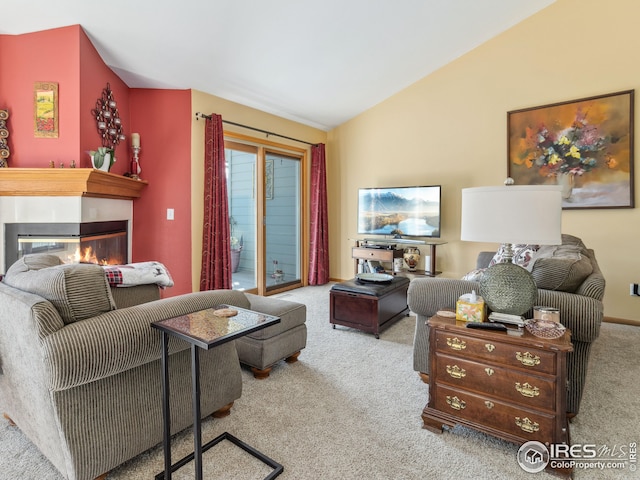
(584, 145)
(45, 110)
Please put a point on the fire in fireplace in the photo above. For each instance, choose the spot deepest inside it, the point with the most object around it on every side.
(104, 243)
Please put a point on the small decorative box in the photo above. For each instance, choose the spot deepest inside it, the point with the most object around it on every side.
(470, 308)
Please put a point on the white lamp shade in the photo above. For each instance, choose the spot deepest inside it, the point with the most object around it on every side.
(517, 214)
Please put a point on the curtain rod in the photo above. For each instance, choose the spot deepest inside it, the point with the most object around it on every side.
(208, 117)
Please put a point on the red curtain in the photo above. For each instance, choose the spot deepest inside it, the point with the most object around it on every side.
(216, 241)
(319, 230)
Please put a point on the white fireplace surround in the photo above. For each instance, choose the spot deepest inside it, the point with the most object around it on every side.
(62, 210)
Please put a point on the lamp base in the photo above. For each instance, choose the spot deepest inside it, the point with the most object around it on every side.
(508, 288)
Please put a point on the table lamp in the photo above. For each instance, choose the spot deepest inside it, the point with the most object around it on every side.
(511, 214)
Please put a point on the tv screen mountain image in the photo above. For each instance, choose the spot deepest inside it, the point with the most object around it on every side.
(404, 211)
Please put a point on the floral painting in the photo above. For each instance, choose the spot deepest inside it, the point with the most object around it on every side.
(585, 145)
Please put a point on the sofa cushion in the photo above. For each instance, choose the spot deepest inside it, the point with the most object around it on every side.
(77, 291)
(561, 267)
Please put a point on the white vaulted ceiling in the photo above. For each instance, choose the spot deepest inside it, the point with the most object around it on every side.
(319, 63)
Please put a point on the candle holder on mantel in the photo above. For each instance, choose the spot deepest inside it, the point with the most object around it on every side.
(135, 163)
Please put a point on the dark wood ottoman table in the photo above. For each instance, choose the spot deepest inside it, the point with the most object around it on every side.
(369, 307)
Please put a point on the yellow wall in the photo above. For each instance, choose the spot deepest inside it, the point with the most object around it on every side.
(450, 128)
(207, 104)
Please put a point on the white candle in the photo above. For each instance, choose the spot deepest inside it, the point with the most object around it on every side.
(135, 140)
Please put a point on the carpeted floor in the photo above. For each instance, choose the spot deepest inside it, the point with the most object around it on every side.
(350, 409)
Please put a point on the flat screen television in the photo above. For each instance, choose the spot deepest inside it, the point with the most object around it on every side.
(400, 211)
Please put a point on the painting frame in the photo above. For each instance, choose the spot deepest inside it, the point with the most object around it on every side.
(585, 145)
(45, 110)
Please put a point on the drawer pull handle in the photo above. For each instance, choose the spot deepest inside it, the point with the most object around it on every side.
(489, 404)
(456, 403)
(527, 390)
(527, 425)
(527, 359)
(456, 371)
(490, 348)
(456, 343)
(490, 371)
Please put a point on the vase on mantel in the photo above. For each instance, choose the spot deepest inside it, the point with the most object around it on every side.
(566, 181)
(103, 158)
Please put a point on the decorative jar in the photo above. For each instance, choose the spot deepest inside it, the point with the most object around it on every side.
(411, 258)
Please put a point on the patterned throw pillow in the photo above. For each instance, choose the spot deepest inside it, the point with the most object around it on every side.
(475, 275)
(522, 254)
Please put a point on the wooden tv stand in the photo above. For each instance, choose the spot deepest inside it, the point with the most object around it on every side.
(361, 252)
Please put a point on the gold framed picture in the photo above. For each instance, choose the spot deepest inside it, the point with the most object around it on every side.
(45, 110)
(584, 145)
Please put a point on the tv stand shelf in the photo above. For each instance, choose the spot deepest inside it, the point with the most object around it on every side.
(362, 252)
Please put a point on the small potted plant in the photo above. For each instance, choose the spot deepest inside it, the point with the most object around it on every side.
(103, 158)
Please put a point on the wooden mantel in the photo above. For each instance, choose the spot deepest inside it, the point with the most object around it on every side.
(74, 182)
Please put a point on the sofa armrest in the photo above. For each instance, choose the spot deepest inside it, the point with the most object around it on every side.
(582, 315)
(428, 295)
(119, 340)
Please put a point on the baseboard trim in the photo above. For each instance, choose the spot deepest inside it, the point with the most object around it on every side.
(623, 321)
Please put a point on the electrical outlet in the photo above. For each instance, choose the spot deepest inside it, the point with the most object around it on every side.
(170, 214)
(634, 290)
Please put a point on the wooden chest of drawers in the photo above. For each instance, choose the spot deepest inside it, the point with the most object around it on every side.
(507, 386)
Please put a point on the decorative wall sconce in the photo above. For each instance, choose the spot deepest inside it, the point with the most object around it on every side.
(108, 119)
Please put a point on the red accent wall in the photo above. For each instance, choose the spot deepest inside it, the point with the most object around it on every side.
(163, 120)
(162, 117)
(50, 56)
(94, 76)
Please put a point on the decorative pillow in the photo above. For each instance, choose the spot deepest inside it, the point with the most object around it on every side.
(77, 291)
(475, 275)
(522, 254)
(561, 267)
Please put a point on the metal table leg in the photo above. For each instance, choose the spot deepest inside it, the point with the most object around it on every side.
(197, 427)
(166, 414)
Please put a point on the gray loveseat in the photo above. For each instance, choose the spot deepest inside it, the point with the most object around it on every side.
(80, 364)
(572, 283)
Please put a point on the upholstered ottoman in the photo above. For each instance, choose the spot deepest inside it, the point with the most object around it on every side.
(285, 340)
(370, 307)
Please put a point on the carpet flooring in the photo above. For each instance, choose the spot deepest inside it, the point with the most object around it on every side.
(350, 409)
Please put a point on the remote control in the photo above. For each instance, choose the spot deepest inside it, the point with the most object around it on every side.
(487, 326)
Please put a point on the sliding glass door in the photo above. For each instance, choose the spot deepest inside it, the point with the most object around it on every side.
(282, 220)
(241, 161)
(265, 199)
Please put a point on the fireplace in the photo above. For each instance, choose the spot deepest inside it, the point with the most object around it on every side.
(104, 243)
(66, 210)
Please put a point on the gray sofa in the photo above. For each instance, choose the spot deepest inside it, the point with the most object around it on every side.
(80, 364)
(572, 283)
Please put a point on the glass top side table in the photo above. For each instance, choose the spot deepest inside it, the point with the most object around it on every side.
(206, 329)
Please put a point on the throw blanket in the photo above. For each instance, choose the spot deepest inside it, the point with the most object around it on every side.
(142, 273)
